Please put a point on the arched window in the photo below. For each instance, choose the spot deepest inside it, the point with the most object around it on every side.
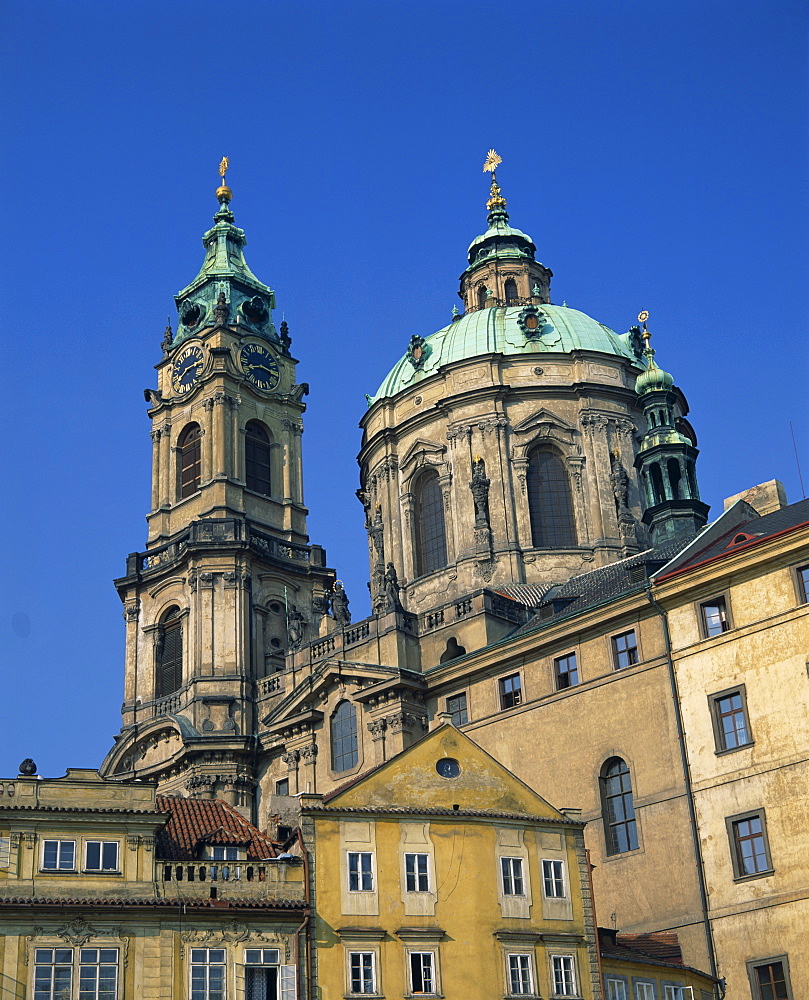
(511, 292)
(169, 654)
(658, 491)
(431, 535)
(257, 458)
(189, 460)
(549, 502)
(344, 737)
(481, 296)
(675, 477)
(618, 809)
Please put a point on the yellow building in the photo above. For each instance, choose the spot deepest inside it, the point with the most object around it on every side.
(441, 874)
(108, 892)
(649, 967)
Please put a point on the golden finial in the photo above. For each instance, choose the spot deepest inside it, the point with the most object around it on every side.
(490, 165)
(223, 192)
(492, 162)
(643, 315)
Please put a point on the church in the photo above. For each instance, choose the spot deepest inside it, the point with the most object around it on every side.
(543, 576)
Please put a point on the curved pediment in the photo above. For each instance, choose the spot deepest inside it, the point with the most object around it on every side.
(152, 746)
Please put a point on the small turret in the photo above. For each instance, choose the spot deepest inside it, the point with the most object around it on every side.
(502, 268)
(666, 461)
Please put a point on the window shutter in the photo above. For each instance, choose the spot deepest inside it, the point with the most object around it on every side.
(288, 982)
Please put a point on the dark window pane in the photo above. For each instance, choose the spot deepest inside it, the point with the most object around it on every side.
(567, 671)
(344, 753)
(715, 617)
(549, 502)
(625, 649)
(456, 706)
(751, 848)
(169, 665)
(257, 458)
(431, 537)
(190, 445)
(732, 721)
(620, 827)
(510, 691)
(771, 981)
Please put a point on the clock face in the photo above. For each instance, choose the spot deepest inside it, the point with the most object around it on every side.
(186, 369)
(447, 767)
(259, 366)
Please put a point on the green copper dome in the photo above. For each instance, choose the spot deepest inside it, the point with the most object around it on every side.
(653, 378)
(502, 330)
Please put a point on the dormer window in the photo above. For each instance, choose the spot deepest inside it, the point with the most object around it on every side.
(226, 854)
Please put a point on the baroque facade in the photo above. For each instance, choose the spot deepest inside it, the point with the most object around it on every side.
(528, 479)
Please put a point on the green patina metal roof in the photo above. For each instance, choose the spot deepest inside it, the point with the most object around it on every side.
(247, 301)
(497, 329)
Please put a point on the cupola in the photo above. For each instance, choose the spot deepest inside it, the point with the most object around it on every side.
(225, 292)
(666, 460)
(502, 268)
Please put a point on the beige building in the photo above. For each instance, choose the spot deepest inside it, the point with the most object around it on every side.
(109, 891)
(528, 478)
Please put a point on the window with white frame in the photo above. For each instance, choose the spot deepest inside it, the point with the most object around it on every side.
(265, 978)
(672, 992)
(616, 989)
(101, 856)
(360, 871)
(208, 973)
(422, 972)
(55, 970)
(511, 872)
(225, 854)
(553, 878)
(520, 975)
(417, 878)
(59, 855)
(362, 972)
(645, 991)
(564, 975)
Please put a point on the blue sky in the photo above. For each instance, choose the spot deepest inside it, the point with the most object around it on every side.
(656, 153)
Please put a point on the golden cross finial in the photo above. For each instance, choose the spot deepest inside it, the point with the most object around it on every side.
(496, 199)
(643, 315)
(223, 167)
(492, 162)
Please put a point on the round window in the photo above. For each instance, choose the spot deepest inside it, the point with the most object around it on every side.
(447, 767)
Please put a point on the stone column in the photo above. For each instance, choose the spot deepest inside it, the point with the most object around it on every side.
(377, 729)
(291, 760)
(286, 462)
(131, 613)
(221, 434)
(207, 444)
(309, 758)
(155, 468)
(596, 426)
(168, 482)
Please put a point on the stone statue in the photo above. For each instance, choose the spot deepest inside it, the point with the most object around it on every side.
(392, 602)
(480, 492)
(339, 605)
(296, 624)
(320, 603)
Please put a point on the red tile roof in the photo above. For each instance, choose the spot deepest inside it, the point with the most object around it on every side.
(657, 944)
(195, 822)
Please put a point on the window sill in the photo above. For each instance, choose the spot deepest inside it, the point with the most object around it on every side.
(98, 871)
(755, 875)
(614, 857)
(59, 871)
(741, 746)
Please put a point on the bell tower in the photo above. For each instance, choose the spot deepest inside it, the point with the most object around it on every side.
(228, 581)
